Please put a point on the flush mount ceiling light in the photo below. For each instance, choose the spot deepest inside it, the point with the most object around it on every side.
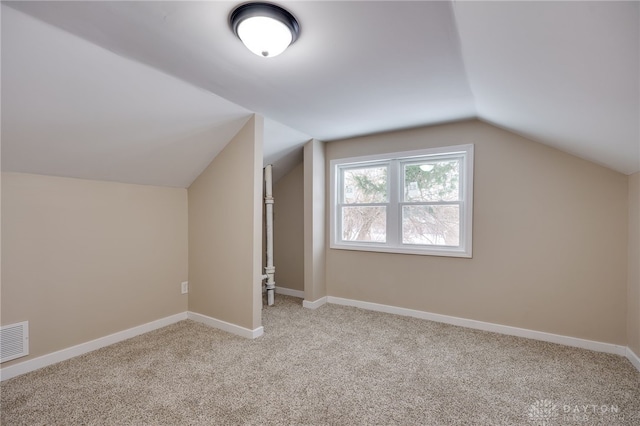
(266, 29)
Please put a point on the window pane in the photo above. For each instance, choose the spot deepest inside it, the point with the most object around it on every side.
(364, 223)
(365, 185)
(432, 181)
(431, 225)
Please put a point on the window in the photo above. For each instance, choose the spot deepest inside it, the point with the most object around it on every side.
(417, 202)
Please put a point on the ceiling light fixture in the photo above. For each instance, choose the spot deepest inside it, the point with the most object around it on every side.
(266, 29)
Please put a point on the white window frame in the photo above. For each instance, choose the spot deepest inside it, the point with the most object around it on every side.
(395, 178)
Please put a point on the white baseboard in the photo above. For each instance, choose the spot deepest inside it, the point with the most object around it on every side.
(486, 326)
(633, 358)
(226, 326)
(83, 348)
(315, 304)
(77, 350)
(290, 292)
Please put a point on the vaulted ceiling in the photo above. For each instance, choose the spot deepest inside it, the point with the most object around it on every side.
(150, 92)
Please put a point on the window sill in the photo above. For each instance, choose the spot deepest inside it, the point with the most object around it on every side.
(443, 252)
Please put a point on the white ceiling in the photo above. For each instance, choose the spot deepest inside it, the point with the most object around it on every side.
(150, 92)
(564, 73)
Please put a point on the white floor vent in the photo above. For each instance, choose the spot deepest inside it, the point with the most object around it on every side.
(14, 341)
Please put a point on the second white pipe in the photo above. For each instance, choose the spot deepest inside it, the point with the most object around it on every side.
(269, 270)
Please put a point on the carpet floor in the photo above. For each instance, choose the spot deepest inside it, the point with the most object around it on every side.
(332, 366)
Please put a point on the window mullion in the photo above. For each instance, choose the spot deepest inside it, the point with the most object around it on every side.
(431, 203)
(393, 229)
(362, 204)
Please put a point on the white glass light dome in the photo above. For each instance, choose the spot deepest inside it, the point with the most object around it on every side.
(264, 36)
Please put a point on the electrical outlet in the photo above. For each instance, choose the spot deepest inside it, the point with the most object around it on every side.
(185, 287)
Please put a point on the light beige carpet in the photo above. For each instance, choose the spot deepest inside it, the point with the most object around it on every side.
(332, 366)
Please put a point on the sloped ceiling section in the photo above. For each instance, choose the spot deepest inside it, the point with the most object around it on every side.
(150, 92)
(70, 108)
(563, 73)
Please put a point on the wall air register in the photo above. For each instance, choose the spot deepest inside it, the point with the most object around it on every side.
(14, 341)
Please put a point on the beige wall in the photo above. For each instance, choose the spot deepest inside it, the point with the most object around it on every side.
(84, 259)
(288, 223)
(633, 312)
(225, 232)
(314, 161)
(549, 240)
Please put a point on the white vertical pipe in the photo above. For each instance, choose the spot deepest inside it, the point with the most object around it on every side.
(269, 270)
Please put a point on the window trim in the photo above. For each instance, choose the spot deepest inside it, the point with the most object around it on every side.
(396, 201)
